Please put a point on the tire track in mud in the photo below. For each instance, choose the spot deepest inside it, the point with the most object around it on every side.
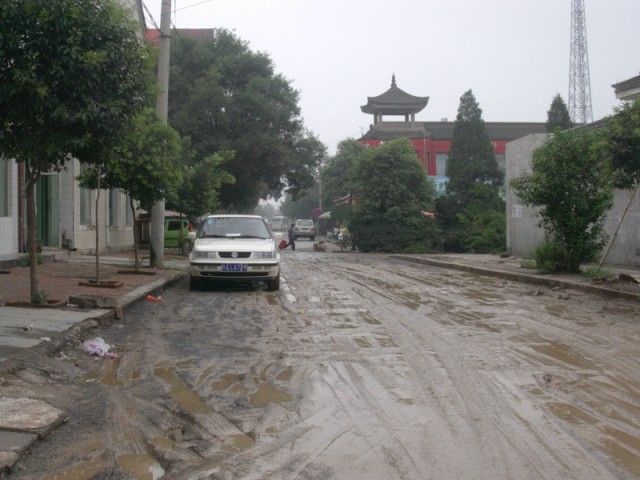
(628, 461)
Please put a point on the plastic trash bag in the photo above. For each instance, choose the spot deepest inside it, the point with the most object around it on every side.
(97, 346)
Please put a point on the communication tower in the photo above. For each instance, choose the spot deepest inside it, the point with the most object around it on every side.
(579, 81)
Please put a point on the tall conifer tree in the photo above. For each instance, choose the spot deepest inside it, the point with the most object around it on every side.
(471, 157)
(558, 115)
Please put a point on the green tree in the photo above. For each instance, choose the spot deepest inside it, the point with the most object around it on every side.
(571, 183)
(558, 115)
(471, 157)
(72, 73)
(393, 191)
(472, 213)
(622, 137)
(198, 193)
(337, 174)
(302, 205)
(225, 96)
(144, 165)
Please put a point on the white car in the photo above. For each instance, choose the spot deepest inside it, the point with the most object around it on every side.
(235, 247)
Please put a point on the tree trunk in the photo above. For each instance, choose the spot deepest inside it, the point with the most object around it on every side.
(180, 239)
(98, 228)
(135, 235)
(32, 178)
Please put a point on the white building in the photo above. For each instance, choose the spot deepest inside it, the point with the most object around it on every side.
(66, 213)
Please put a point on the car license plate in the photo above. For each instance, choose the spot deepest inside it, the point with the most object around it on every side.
(234, 267)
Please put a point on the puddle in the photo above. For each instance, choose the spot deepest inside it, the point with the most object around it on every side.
(362, 342)
(386, 342)
(109, 372)
(272, 299)
(623, 437)
(185, 363)
(556, 310)
(180, 391)
(241, 441)
(81, 471)
(370, 319)
(621, 456)
(163, 442)
(563, 353)
(226, 381)
(141, 467)
(285, 375)
(268, 394)
(572, 414)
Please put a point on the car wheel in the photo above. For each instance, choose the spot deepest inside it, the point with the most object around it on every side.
(187, 246)
(195, 283)
(273, 285)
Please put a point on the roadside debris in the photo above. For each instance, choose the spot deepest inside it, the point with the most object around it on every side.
(153, 299)
(98, 347)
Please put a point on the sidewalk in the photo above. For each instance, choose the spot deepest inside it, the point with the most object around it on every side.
(23, 420)
(510, 268)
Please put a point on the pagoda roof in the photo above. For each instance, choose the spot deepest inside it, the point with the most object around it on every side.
(394, 102)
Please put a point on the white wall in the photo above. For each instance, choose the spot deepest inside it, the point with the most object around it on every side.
(9, 224)
(523, 232)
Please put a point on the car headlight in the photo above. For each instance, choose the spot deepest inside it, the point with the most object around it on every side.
(198, 254)
(265, 254)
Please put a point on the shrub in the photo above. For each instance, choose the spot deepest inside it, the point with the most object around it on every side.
(547, 258)
(39, 298)
(571, 183)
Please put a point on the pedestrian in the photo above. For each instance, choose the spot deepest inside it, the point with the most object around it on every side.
(292, 238)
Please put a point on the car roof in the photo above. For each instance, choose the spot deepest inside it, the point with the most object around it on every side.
(232, 215)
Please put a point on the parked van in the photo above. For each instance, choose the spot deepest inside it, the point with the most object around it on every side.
(279, 224)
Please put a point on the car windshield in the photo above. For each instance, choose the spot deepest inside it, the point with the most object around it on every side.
(234, 227)
(305, 223)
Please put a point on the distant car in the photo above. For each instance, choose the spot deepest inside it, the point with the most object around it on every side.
(278, 224)
(304, 227)
(235, 247)
(172, 236)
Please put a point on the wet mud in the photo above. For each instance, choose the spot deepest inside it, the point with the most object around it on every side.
(360, 367)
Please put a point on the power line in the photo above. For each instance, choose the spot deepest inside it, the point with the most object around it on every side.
(192, 5)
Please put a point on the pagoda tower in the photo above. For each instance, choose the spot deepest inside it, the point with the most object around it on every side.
(395, 102)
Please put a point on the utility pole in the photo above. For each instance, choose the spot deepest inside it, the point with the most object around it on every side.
(162, 109)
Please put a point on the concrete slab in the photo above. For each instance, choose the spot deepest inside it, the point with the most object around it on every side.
(27, 415)
(12, 444)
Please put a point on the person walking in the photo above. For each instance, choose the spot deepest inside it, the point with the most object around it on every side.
(292, 238)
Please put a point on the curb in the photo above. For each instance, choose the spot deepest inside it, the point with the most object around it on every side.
(522, 277)
(58, 342)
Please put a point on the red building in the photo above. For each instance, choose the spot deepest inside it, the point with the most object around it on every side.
(431, 140)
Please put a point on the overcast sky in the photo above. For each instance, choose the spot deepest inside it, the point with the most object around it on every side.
(513, 54)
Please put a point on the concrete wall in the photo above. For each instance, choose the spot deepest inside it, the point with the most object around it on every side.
(523, 232)
(117, 237)
(9, 224)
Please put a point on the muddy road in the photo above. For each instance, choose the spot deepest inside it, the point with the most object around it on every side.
(361, 367)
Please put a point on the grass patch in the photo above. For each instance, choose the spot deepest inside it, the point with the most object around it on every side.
(597, 273)
(529, 263)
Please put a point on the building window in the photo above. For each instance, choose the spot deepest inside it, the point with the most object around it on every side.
(85, 201)
(128, 217)
(4, 187)
(441, 164)
(114, 204)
